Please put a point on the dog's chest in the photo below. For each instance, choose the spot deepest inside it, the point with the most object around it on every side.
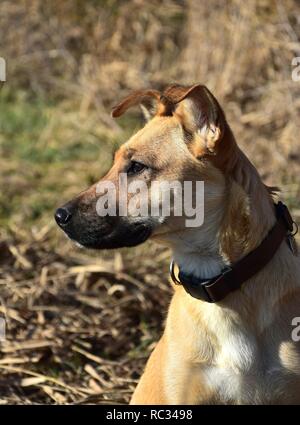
(246, 373)
(216, 357)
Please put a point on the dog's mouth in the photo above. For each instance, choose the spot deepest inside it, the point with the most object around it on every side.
(118, 238)
(107, 234)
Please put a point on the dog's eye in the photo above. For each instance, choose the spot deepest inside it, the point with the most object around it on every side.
(135, 168)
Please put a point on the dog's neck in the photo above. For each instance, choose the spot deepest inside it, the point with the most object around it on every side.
(196, 251)
(231, 231)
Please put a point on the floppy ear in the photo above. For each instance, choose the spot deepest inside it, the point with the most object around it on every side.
(143, 97)
(148, 108)
(200, 115)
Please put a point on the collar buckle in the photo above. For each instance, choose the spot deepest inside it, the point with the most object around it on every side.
(202, 289)
(195, 287)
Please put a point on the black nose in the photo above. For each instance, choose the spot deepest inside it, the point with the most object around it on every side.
(62, 216)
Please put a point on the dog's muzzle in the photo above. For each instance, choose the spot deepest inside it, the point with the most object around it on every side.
(81, 224)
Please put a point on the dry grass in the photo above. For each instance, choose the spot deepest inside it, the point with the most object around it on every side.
(80, 326)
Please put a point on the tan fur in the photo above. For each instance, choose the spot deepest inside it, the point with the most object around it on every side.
(240, 350)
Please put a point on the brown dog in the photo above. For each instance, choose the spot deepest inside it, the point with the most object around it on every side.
(228, 335)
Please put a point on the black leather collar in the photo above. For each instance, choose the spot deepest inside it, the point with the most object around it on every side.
(232, 277)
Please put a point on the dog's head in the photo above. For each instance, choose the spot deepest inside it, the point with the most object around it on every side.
(186, 139)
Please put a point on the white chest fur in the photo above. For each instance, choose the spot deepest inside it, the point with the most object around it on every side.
(247, 371)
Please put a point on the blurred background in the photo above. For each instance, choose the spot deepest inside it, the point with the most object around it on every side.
(80, 325)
